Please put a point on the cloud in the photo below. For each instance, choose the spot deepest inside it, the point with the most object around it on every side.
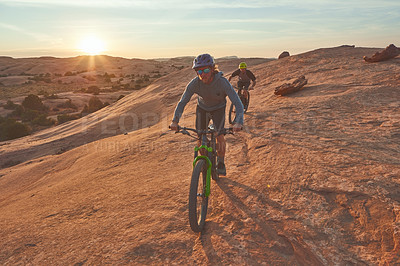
(206, 4)
(40, 37)
(148, 4)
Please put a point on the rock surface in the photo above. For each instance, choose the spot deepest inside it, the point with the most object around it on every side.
(283, 55)
(390, 52)
(312, 180)
(288, 88)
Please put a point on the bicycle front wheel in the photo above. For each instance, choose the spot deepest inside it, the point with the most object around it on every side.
(245, 98)
(246, 102)
(198, 202)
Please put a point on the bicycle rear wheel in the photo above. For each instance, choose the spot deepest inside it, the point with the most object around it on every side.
(232, 114)
(198, 202)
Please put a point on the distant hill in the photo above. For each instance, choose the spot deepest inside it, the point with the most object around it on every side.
(68, 74)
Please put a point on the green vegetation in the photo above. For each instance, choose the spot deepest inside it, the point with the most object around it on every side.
(66, 117)
(11, 129)
(33, 102)
(95, 90)
(10, 105)
(42, 120)
(94, 105)
(32, 114)
(68, 104)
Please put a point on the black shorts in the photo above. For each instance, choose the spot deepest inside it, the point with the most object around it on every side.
(243, 84)
(203, 118)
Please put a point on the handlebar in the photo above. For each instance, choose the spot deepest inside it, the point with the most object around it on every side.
(210, 130)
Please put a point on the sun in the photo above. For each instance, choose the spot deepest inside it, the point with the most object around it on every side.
(92, 45)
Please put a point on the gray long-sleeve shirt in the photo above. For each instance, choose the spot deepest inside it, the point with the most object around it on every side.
(210, 96)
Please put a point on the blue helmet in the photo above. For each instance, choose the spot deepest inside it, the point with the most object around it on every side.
(203, 60)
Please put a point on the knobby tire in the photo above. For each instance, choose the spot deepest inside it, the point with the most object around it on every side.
(246, 105)
(245, 101)
(232, 113)
(198, 202)
(232, 109)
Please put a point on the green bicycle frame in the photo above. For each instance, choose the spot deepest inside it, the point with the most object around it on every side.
(209, 165)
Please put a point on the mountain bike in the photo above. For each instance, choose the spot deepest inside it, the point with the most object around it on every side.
(204, 168)
(244, 96)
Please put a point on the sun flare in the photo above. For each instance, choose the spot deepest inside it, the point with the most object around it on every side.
(92, 45)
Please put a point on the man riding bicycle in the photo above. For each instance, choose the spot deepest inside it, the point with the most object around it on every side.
(212, 89)
(245, 76)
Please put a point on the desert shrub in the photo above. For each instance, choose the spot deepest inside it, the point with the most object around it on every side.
(107, 76)
(67, 104)
(11, 129)
(10, 105)
(42, 120)
(44, 93)
(66, 117)
(40, 77)
(29, 115)
(33, 102)
(19, 110)
(94, 105)
(93, 89)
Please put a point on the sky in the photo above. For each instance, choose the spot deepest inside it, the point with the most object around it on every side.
(172, 28)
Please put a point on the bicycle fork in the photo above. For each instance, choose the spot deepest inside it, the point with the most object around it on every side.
(209, 166)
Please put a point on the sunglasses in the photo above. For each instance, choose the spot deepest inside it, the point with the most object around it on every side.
(207, 70)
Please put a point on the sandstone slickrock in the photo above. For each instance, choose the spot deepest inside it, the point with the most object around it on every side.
(288, 88)
(283, 55)
(312, 179)
(390, 52)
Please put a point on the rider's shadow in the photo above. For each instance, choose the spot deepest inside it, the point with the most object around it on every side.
(226, 184)
(211, 229)
(261, 230)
